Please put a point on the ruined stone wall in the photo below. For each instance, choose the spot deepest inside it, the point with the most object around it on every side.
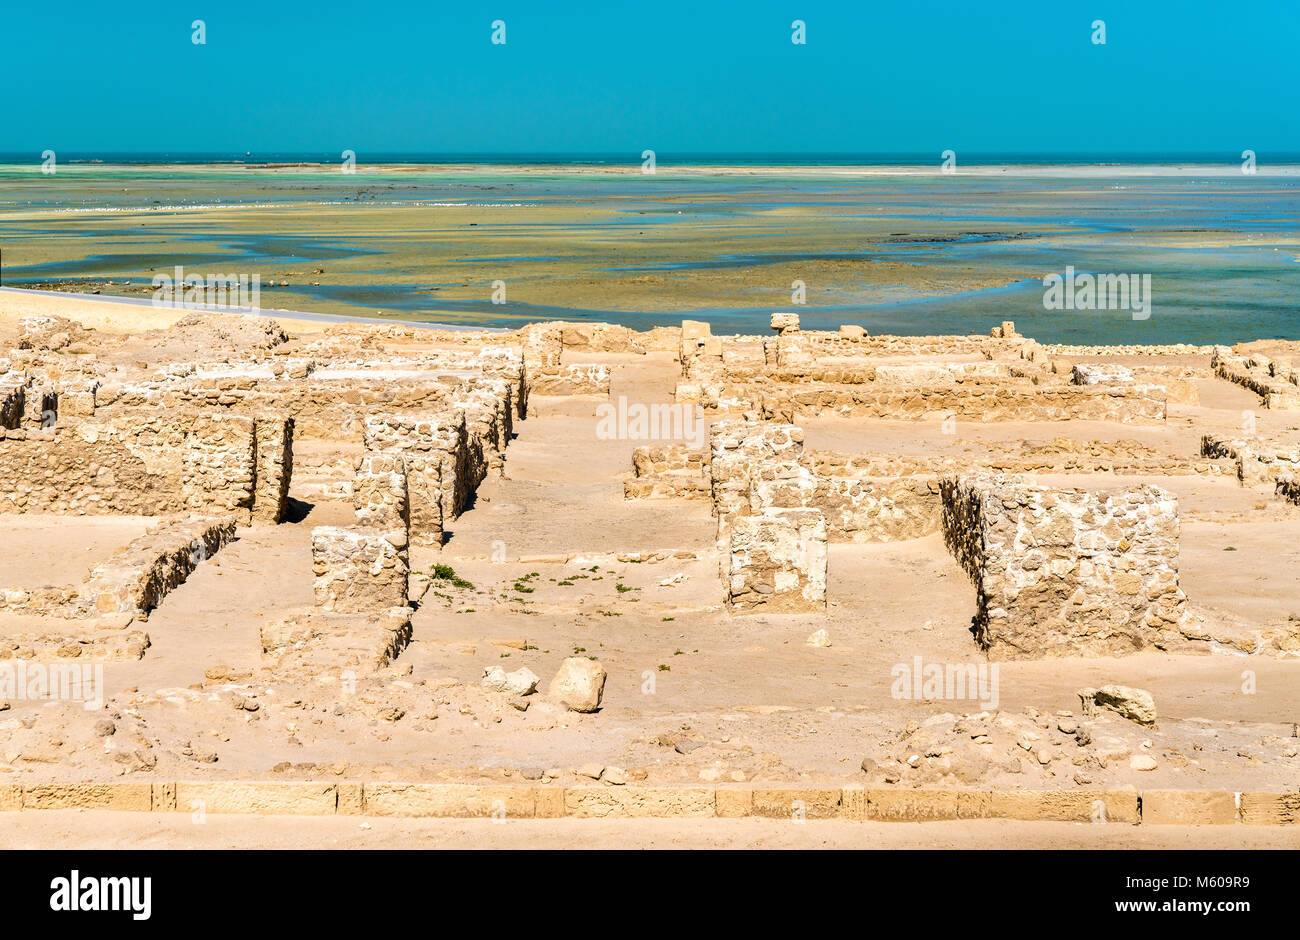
(776, 562)
(149, 463)
(438, 444)
(542, 346)
(489, 418)
(861, 372)
(969, 401)
(1059, 455)
(1178, 349)
(379, 493)
(57, 471)
(1255, 461)
(273, 470)
(666, 471)
(855, 509)
(1274, 383)
(575, 379)
(736, 448)
(328, 402)
(359, 568)
(136, 579)
(1061, 572)
(852, 342)
(598, 337)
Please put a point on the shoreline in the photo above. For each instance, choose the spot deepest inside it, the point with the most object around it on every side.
(111, 321)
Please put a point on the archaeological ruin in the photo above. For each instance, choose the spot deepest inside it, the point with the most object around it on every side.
(373, 555)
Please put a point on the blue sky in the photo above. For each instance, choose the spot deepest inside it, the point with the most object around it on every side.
(676, 77)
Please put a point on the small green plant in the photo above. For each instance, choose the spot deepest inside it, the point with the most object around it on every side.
(448, 574)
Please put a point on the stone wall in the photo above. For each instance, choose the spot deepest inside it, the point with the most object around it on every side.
(975, 401)
(136, 579)
(776, 562)
(379, 493)
(1274, 383)
(1061, 572)
(314, 643)
(273, 469)
(735, 449)
(443, 458)
(1255, 461)
(576, 379)
(666, 471)
(153, 462)
(359, 568)
(329, 401)
(854, 509)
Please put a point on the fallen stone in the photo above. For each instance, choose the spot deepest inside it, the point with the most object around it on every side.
(580, 684)
(1134, 704)
(522, 681)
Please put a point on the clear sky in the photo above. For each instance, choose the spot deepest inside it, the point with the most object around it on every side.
(1019, 76)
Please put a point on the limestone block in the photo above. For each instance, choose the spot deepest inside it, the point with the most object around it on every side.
(785, 322)
(579, 684)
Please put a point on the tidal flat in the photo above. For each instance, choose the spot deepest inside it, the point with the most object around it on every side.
(905, 252)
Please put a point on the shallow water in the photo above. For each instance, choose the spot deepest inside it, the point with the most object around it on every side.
(898, 254)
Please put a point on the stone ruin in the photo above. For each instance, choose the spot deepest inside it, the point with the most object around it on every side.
(206, 447)
(1059, 570)
(233, 428)
(1065, 572)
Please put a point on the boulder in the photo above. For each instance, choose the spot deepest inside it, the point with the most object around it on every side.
(579, 684)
